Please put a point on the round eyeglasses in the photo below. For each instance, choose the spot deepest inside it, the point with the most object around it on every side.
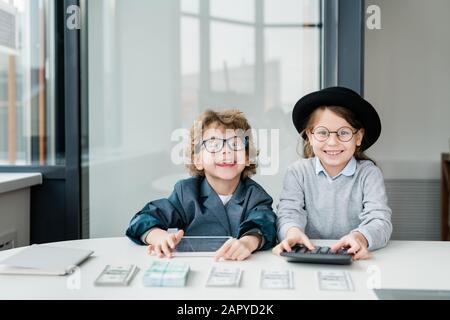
(235, 143)
(344, 134)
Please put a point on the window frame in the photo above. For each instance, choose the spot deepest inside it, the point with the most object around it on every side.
(205, 18)
(55, 205)
(343, 55)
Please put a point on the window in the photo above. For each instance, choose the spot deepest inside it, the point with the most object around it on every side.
(263, 56)
(27, 108)
(154, 66)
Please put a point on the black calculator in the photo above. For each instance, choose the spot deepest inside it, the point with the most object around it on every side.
(320, 255)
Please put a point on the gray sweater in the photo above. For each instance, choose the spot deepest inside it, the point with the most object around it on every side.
(329, 208)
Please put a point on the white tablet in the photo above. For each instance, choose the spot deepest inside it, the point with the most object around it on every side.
(199, 246)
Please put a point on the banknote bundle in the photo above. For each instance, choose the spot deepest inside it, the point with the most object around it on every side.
(166, 274)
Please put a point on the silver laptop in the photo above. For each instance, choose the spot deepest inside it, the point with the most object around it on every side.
(44, 260)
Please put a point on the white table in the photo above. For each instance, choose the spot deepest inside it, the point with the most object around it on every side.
(402, 264)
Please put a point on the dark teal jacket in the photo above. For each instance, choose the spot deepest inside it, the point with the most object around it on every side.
(196, 208)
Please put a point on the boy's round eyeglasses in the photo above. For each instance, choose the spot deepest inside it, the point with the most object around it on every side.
(344, 134)
(235, 143)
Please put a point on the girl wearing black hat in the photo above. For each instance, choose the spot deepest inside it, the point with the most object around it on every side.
(336, 192)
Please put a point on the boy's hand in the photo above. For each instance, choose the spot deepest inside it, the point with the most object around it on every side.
(294, 236)
(237, 249)
(356, 244)
(162, 243)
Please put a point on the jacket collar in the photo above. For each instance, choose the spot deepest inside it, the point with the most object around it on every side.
(207, 191)
(214, 203)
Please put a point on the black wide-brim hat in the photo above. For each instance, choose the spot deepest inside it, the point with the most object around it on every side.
(342, 97)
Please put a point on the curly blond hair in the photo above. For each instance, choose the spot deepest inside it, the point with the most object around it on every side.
(229, 119)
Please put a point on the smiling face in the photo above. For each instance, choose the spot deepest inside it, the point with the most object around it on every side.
(226, 165)
(333, 153)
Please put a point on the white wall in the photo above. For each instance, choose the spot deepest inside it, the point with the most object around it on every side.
(15, 217)
(407, 78)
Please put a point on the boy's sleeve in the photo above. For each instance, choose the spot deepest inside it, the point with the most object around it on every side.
(262, 218)
(376, 225)
(163, 214)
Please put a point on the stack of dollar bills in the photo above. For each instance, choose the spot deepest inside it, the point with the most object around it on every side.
(166, 274)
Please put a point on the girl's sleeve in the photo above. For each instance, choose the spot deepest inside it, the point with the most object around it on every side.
(375, 218)
(291, 208)
(163, 214)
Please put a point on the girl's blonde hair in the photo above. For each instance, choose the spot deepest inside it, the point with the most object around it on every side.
(342, 112)
(229, 119)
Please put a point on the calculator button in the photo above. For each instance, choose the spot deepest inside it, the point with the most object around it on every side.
(316, 250)
(302, 249)
(324, 250)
